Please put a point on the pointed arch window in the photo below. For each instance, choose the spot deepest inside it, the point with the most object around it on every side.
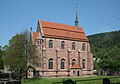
(73, 46)
(50, 63)
(62, 45)
(50, 44)
(83, 64)
(39, 41)
(83, 46)
(63, 64)
(73, 62)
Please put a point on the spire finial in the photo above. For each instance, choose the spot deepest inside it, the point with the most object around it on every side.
(76, 19)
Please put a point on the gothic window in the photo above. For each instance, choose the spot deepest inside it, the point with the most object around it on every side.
(73, 62)
(50, 44)
(83, 46)
(83, 64)
(50, 63)
(63, 64)
(62, 45)
(38, 42)
(73, 46)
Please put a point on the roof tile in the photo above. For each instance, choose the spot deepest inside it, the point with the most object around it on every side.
(56, 30)
(35, 34)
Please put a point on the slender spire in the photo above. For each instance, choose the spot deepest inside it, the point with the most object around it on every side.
(76, 19)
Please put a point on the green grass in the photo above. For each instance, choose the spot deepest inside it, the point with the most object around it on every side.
(81, 80)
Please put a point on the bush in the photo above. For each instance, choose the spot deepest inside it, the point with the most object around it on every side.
(16, 76)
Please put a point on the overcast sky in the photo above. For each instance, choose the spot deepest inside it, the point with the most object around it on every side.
(95, 16)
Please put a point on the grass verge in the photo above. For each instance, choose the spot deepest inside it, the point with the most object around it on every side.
(81, 80)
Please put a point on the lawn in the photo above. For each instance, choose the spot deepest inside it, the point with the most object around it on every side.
(81, 80)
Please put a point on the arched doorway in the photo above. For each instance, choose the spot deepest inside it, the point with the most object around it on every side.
(78, 73)
(30, 72)
(74, 74)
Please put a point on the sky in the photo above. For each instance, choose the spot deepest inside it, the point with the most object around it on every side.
(95, 16)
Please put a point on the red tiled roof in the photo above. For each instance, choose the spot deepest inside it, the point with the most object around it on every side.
(55, 30)
(75, 66)
(35, 34)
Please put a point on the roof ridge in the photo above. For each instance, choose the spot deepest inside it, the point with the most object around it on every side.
(57, 23)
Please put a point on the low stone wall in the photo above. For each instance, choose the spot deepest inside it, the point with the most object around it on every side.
(6, 78)
(10, 82)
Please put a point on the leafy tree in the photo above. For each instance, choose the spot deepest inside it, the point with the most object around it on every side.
(106, 50)
(1, 61)
(20, 53)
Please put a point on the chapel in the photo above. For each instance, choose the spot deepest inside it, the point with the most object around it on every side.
(64, 50)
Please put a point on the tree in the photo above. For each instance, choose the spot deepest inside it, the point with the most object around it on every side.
(1, 61)
(20, 52)
(106, 50)
(110, 61)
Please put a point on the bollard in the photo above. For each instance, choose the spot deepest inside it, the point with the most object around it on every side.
(106, 81)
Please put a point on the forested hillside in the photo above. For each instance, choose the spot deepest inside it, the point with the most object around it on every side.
(106, 50)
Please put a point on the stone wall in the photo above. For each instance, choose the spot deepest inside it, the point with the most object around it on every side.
(56, 53)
